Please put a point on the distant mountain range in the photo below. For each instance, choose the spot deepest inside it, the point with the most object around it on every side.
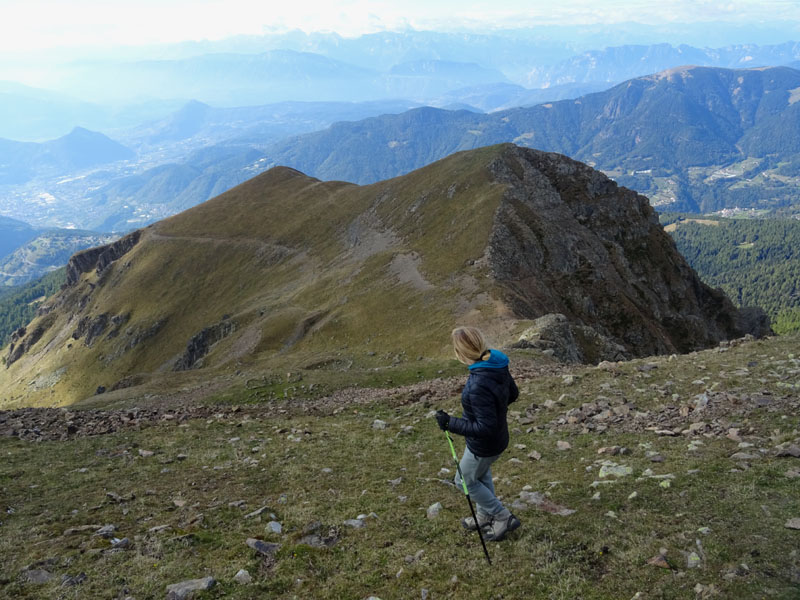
(618, 63)
(80, 149)
(693, 138)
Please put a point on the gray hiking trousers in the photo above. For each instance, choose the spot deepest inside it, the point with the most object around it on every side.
(477, 472)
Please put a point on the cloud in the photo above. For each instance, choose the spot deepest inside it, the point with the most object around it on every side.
(32, 24)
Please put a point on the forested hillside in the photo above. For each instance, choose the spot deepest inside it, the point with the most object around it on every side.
(756, 262)
(18, 305)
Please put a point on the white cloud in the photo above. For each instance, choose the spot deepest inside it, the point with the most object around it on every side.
(31, 24)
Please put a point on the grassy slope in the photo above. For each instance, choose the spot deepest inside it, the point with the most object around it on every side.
(591, 554)
(253, 253)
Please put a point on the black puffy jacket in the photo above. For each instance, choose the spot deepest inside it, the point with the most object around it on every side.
(485, 399)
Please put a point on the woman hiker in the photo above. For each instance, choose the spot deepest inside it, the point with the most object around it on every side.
(485, 399)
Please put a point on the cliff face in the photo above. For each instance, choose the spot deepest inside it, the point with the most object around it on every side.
(568, 240)
(285, 271)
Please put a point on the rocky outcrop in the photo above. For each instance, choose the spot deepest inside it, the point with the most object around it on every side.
(568, 240)
(555, 335)
(200, 344)
(23, 340)
(99, 258)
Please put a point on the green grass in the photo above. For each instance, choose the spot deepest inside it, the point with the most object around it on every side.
(52, 486)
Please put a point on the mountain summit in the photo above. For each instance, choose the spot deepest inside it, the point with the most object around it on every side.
(286, 271)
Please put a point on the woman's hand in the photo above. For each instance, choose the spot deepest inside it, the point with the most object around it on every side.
(443, 419)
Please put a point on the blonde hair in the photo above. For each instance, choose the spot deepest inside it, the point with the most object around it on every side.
(469, 344)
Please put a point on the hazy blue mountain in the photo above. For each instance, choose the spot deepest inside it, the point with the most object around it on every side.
(498, 96)
(253, 124)
(695, 138)
(35, 115)
(79, 149)
(13, 234)
(615, 64)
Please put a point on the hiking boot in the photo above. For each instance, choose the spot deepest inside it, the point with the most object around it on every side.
(501, 523)
(484, 519)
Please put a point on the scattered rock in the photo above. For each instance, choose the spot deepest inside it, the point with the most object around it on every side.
(70, 581)
(355, 523)
(145, 453)
(243, 577)
(793, 523)
(184, 589)
(274, 527)
(534, 455)
(541, 502)
(378, 424)
(659, 561)
(434, 510)
(106, 531)
(744, 456)
(81, 529)
(561, 445)
(257, 512)
(37, 576)
(610, 468)
(790, 451)
(262, 547)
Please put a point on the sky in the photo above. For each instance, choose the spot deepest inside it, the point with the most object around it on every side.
(28, 25)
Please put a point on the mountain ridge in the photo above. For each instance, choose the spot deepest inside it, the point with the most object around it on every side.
(497, 237)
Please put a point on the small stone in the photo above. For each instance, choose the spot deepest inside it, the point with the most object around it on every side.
(704, 530)
(146, 453)
(124, 543)
(378, 424)
(534, 455)
(274, 527)
(744, 456)
(37, 576)
(355, 523)
(693, 560)
(793, 523)
(106, 531)
(242, 577)
(610, 450)
(262, 547)
(327, 470)
(514, 461)
(184, 589)
(659, 561)
(792, 451)
(434, 510)
(633, 495)
(561, 445)
(615, 470)
(256, 512)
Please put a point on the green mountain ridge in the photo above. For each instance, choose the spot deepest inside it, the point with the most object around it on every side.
(695, 139)
(286, 271)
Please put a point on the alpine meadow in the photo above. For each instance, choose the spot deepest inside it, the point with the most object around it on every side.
(385, 301)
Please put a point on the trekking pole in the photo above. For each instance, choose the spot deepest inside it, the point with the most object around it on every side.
(466, 493)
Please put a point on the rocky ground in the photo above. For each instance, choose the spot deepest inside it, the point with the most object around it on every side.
(669, 477)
